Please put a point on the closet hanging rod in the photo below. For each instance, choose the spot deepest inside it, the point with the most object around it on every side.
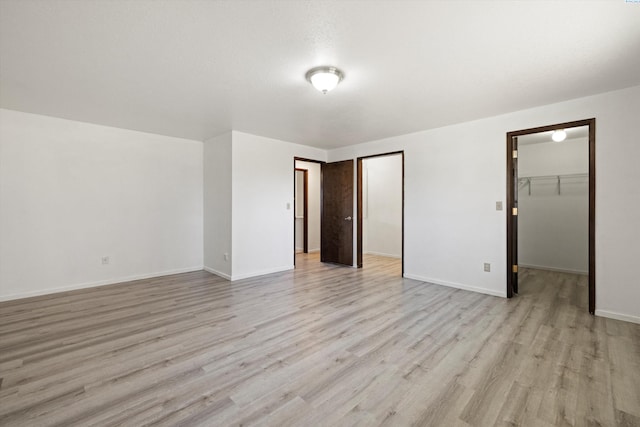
(573, 175)
(526, 180)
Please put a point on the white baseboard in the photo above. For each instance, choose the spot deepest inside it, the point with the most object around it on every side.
(311, 251)
(382, 254)
(98, 283)
(217, 273)
(559, 270)
(618, 316)
(235, 277)
(492, 292)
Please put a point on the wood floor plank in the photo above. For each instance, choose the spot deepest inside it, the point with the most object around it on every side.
(319, 345)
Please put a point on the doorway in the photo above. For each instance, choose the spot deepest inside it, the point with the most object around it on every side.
(306, 212)
(380, 206)
(551, 180)
(334, 219)
(301, 205)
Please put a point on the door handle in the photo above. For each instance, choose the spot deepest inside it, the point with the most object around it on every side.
(348, 218)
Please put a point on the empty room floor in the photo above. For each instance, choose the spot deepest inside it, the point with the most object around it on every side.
(320, 345)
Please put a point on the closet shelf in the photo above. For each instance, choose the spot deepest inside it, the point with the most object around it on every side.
(526, 180)
(572, 175)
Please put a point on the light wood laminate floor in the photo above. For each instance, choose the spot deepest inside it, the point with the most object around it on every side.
(321, 345)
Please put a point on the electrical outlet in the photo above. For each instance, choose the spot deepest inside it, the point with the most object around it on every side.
(105, 260)
(498, 206)
(487, 267)
(226, 256)
(288, 206)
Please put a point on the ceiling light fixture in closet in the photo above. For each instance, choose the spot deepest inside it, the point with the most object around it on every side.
(559, 135)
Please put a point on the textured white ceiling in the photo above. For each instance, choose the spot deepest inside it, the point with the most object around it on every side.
(197, 69)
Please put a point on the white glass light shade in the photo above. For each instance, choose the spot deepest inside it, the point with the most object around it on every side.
(324, 78)
(324, 82)
(559, 135)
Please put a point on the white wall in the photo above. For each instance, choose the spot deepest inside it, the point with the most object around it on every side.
(382, 206)
(299, 224)
(217, 205)
(263, 185)
(455, 174)
(71, 193)
(553, 229)
(314, 189)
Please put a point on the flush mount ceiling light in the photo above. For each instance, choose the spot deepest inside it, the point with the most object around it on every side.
(559, 135)
(324, 78)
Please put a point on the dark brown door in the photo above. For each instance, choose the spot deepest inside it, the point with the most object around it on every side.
(514, 213)
(336, 235)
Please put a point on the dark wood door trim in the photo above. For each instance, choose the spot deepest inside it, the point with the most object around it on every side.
(304, 159)
(591, 123)
(512, 222)
(359, 204)
(359, 218)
